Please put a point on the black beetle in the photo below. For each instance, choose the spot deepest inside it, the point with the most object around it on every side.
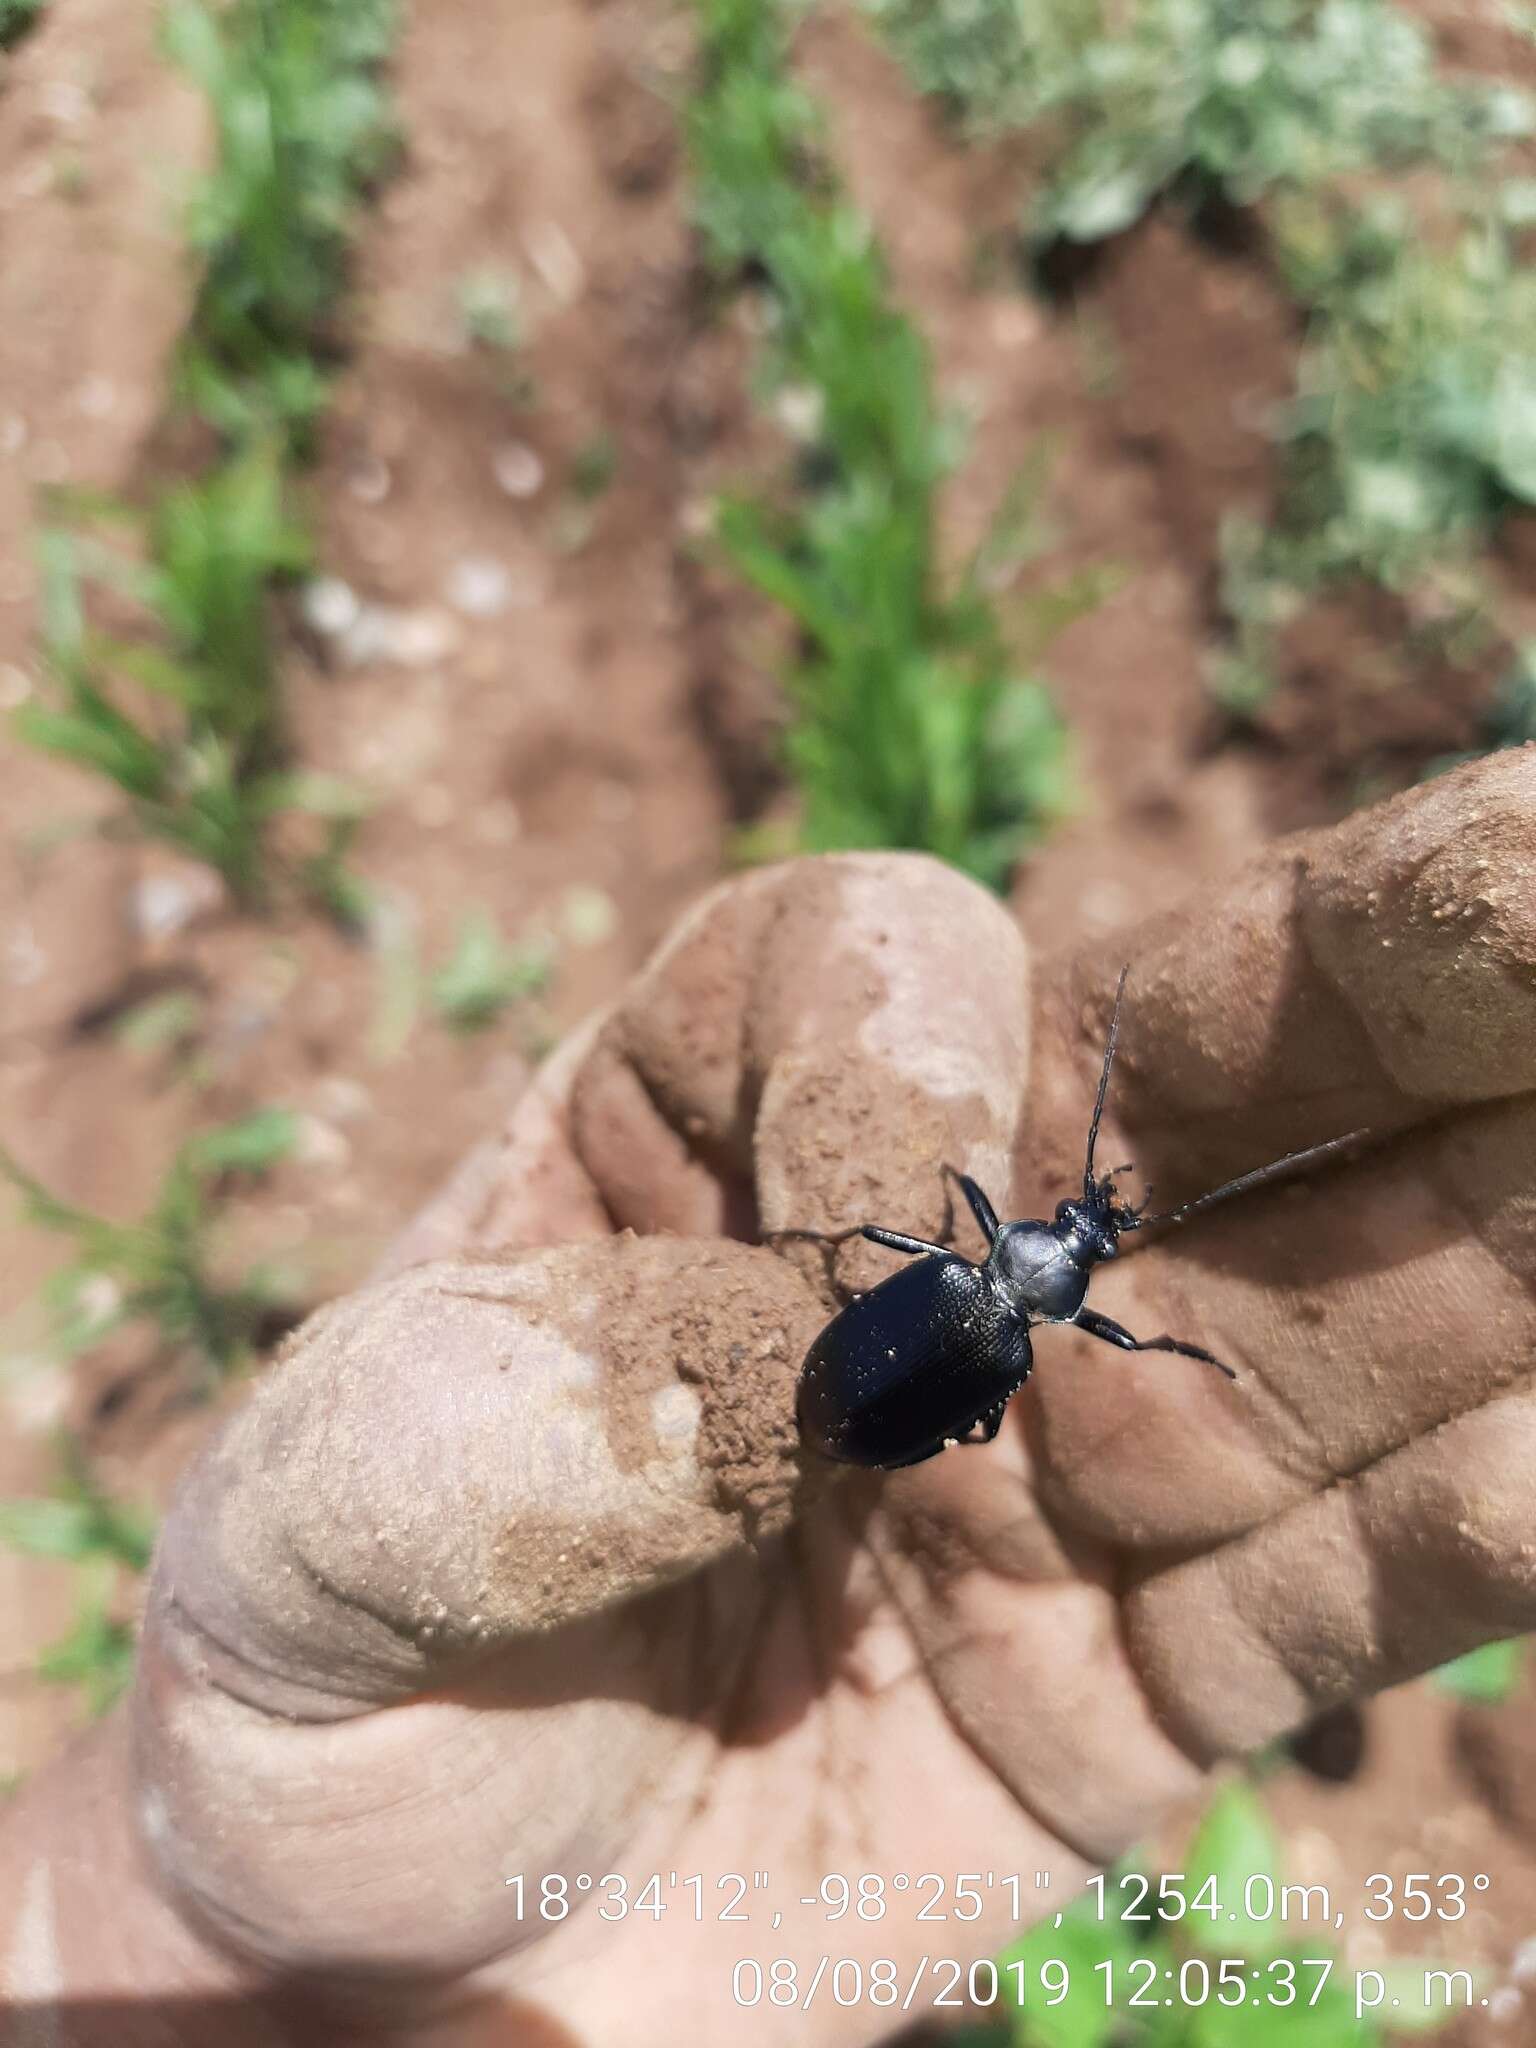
(933, 1355)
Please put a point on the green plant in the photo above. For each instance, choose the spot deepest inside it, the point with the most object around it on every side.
(168, 1023)
(1228, 97)
(16, 17)
(1414, 423)
(911, 726)
(302, 131)
(594, 466)
(184, 716)
(494, 323)
(80, 1523)
(1488, 1675)
(1171, 1976)
(1413, 428)
(490, 309)
(483, 975)
(1511, 720)
(160, 1268)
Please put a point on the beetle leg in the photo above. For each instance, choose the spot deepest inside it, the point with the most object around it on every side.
(832, 1237)
(897, 1241)
(989, 1425)
(894, 1240)
(980, 1207)
(1112, 1333)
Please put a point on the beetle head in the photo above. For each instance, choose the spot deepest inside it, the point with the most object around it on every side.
(1088, 1231)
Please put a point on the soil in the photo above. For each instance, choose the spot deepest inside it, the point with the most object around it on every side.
(563, 713)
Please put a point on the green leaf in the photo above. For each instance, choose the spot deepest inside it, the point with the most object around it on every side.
(1513, 415)
(1485, 1676)
(1412, 2011)
(251, 1145)
(78, 1522)
(48, 1528)
(1081, 2018)
(1095, 206)
(161, 1022)
(1315, 2019)
(1235, 1843)
(483, 975)
(97, 1652)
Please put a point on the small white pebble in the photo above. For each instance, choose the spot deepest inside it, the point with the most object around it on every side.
(65, 102)
(479, 587)
(96, 398)
(320, 1143)
(799, 409)
(412, 639)
(369, 479)
(99, 1296)
(342, 1098)
(25, 961)
(517, 469)
(331, 606)
(166, 904)
(553, 255)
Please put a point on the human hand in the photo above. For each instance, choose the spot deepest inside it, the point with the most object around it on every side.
(511, 1567)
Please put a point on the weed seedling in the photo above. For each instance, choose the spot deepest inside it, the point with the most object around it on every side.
(1414, 425)
(494, 325)
(79, 1523)
(302, 133)
(1199, 1958)
(1487, 1676)
(912, 727)
(483, 975)
(159, 1270)
(16, 17)
(1228, 99)
(185, 716)
(490, 310)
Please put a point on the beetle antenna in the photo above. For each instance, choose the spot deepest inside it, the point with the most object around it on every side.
(1098, 1107)
(1256, 1178)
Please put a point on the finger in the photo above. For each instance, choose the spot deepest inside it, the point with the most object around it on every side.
(1341, 1301)
(1373, 974)
(1415, 1559)
(1385, 1299)
(807, 1052)
(1360, 1311)
(489, 1497)
(471, 1455)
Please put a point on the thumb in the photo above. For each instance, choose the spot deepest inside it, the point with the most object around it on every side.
(473, 1458)
(475, 1453)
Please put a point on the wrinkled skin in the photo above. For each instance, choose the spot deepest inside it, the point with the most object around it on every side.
(458, 1595)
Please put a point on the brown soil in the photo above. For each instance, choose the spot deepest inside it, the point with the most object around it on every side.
(576, 710)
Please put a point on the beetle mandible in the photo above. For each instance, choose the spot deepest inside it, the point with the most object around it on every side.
(932, 1356)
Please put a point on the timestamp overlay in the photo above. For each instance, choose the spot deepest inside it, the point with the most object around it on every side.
(933, 1909)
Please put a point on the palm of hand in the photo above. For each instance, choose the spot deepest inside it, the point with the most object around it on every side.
(1012, 1658)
